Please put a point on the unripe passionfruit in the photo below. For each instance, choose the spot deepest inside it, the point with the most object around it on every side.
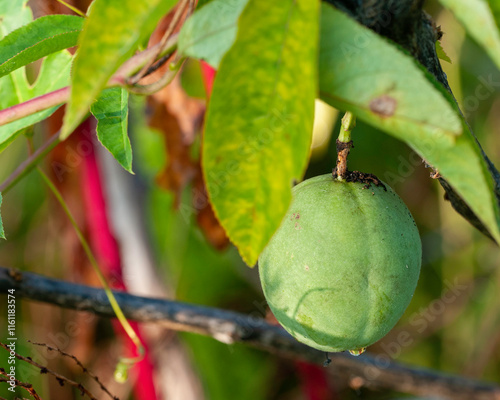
(342, 268)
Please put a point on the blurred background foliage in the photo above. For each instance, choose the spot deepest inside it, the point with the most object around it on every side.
(453, 321)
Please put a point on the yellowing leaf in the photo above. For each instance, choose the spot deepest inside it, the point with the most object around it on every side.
(260, 117)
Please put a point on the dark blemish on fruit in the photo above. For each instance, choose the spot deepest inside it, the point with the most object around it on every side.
(385, 106)
(307, 267)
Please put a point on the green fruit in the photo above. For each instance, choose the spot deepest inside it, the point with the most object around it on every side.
(343, 266)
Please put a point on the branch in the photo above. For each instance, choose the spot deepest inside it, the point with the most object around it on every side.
(413, 29)
(60, 378)
(27, 386)
(229, 327)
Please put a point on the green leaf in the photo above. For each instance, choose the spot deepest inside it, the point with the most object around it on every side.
(209, 32)
(495, 9)
(477, 18)
(260, 118)
(386, 88)
(54, 74)
(441, 53)
(111, 112)
(111, 33)
(2, 233)
(38, 39)
(13, 14)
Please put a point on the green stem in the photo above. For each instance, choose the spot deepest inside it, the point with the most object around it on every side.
(348, 124)
(127, 362)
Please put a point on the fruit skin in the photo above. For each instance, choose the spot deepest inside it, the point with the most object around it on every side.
(342, 268)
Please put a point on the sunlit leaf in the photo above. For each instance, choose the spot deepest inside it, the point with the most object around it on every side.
(260, 118)
(37, 39)
(386, 88)
(111, 33)
(211, 31)
(477, 18)
(111, 112)
(13, 14)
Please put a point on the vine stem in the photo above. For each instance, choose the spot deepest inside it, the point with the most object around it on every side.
(124, 363)
(344, 145)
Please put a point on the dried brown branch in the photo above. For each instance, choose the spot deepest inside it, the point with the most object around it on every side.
(228, 327)
(60, 378)
(27, 386)
(77, 361)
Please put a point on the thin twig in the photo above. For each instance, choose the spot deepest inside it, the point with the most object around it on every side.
(27, 386)
(163, 42)
(44, 370)
(77, 361)
(228, 327)
(161, 61)
(134, 64)
(160, 83)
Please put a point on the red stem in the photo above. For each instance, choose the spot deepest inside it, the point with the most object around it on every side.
(34, 105)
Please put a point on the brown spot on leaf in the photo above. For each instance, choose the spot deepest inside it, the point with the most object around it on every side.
(385, 105)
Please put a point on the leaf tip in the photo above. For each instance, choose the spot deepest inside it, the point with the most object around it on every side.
(249, 259)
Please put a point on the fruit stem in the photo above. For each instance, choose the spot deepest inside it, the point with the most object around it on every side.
(347, 125)
(344, 144)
